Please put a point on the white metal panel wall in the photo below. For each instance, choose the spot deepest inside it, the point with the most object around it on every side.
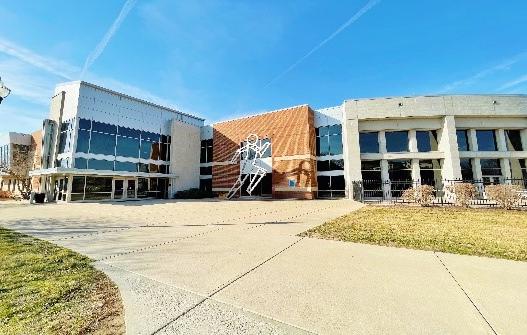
(328, 116)
(109, 107)
(206, 132)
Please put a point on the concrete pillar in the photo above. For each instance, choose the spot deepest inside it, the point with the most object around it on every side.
(382, 142)
(412, 141)
(472, 140)
(385, 176)
(501, 141)
(506, 169)
(523, 134)
(70, 184)
(449, 146)
(416, 171)
(352, 166)
(476, 169)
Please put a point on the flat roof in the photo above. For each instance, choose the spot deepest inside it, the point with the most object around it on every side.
(439, 96)
(81, 82)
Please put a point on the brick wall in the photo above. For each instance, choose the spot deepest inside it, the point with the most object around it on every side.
(292, 136)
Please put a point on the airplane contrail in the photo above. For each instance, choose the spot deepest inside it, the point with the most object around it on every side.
(350, 21)
(92, 57)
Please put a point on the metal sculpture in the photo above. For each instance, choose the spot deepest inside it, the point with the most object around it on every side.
(4, 91)
(250, 153)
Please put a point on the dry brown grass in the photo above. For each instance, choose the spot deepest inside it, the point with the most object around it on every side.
(483, 232)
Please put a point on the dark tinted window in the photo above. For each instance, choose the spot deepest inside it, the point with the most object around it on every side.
(336, 164)
(84, 124)
(371, 171)
(337, 183)
(104, 127)
(426, 140)
(369, 142)
(83, 141)
(400, 170)
(102, 144)
(323, 166)
(514, 140)
(490, 167)
(323, 182)
(486, 140)
(100, 164)
(81, 163)
(466, 169)
(396, 141)
(77, 184)
(146, 149)
(128, 132)
(127, 147)
(335, 144)
(125, 166)
(205, 170)
(462, 140)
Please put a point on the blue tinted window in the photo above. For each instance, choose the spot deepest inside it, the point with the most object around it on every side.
(335, 144)
(396, 141)
(426, 140)
(84, 124)
(102, 144)
(146, 149)
(125, 166)
(323, 146)
(369, 142)
(486, 140)
(127, 147)
(128, 132)
(462, 140)
(83, 141)
(81, 163)
(323, 131)
(100, 164)
(335, 129)
(104, 127)
(150, 136)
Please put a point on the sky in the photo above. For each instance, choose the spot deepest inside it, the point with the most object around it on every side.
(225, 59)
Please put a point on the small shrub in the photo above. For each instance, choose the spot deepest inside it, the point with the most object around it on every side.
(421, 194)
(6, 195)
(506, 196)
(464, 193)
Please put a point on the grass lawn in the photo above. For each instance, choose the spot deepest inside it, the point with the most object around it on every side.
(483, 232)
(46, 289)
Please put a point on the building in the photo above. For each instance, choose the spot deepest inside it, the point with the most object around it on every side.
(18, 156)
(103, 145)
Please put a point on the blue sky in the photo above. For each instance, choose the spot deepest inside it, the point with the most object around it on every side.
(221, 59)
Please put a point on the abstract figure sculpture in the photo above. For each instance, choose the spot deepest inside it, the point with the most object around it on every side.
(4, 91)
(250, 153)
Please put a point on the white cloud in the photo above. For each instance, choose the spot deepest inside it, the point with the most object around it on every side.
(514, 82)
(49, 65)
(504, 65)
(366, 8)
(92, 57)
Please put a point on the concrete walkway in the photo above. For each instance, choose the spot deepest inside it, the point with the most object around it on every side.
(219, 267)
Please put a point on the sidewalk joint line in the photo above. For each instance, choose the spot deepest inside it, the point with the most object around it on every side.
(465, 292)
(224, 286)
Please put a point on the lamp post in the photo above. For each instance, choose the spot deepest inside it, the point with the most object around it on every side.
(4, 91)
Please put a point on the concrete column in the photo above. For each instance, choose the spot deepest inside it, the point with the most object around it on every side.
(70, 184)
(385, 175)
(416, 171)
(501, 140)
(506, 169)
(382, 142)
(476, 169)
(352, 165)
(523, 134)
(412, 141)
(472, 140)
(449, 146)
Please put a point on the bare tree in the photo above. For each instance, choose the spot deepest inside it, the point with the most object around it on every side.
(21, 162)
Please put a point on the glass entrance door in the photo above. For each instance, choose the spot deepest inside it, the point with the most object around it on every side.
(130, 189)
(118, 188)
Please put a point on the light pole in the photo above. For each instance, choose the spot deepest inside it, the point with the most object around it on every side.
(4, 91)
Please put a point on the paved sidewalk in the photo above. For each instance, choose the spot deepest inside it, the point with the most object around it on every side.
(220, 267)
